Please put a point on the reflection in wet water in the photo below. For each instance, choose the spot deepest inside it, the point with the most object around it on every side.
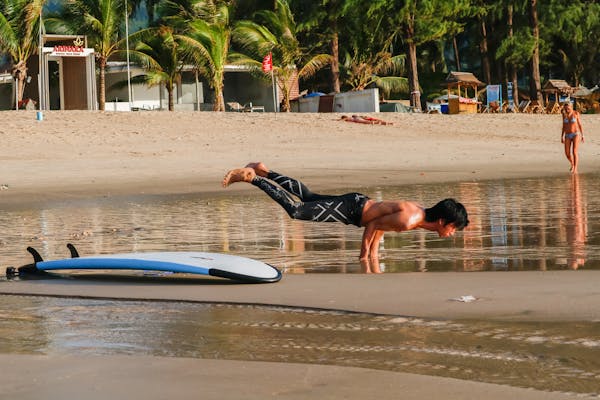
(561, 357)
(537, 224)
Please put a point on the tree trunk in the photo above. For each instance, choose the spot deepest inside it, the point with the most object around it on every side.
(456, 54)
(535, 59)
(513, 67)
(485, 58)
(20, 74)
(335, 63)
(285, 102)
(170, 95)
(413, 73)
(413, 77)
(219, 99)
(102, 78)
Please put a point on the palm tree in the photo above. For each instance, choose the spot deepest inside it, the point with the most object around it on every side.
(204, 37)
(19, 27)
(377, 70)
(276, 33)
(321, 22)
(101, 21)
(158, 51)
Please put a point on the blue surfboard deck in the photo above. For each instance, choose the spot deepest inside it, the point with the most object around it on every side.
(214, 264)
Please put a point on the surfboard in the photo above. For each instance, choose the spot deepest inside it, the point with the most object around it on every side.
(200, 263)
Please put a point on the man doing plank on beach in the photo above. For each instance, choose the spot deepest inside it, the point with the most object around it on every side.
(445, 218)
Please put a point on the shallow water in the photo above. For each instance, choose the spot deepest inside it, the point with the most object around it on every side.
(562, 357)
(524, 224)
(527, 224)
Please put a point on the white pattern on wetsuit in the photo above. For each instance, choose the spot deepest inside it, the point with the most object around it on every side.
(330, 216)
(288, 184)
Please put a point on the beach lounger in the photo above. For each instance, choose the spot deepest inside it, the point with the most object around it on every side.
(434, 108)
(553, 107)
(235, 106)
(523, 106)
(536, 108)
(251, 108)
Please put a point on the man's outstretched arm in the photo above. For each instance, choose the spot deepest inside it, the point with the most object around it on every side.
(374, 250)
(367, 240)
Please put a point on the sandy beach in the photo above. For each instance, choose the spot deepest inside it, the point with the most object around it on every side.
(77, 154)
(80, 153)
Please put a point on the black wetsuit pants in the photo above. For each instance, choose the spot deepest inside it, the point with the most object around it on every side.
(346, 208)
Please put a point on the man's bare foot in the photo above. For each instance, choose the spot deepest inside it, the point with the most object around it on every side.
(259, 168)
(238, 175)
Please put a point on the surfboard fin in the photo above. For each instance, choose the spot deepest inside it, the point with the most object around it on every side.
(73, 250)
(31, 269)
(36, 256)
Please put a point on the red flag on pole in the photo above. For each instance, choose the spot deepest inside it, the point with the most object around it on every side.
(267, 64)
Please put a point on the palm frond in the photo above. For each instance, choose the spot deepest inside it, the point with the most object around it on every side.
(8, 39)
(392, 84)
(388, 65)
(312, 66)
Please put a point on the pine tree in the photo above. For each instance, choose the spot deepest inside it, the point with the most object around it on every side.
(418, 22)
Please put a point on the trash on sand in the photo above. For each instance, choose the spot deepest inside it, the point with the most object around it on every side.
(465, 299)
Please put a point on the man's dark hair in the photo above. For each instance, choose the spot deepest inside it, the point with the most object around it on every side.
(451, 211)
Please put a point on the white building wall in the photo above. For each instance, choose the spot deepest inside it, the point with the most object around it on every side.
(347, 102)
(359, 101)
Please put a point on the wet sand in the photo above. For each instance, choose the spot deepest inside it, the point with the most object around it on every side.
(522, 296)
(502, 296)
(82, 154)
(65, 377)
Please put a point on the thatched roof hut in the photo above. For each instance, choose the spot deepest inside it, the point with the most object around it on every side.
(457, 80)
(558, 85)
(559, 88)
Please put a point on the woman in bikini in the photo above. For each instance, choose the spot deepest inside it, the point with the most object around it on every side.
(572, 134)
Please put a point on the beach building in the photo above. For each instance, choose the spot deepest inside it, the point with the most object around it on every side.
(555, 92)
(67, 77)
(461, 82)
(192, 93)
(65, 81)
(68, 81)
(7, 91)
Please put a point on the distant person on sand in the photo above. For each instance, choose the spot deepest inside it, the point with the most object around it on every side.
(377, 217)
(572, 134)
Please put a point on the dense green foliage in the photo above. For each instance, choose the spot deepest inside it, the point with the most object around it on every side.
(402, 46)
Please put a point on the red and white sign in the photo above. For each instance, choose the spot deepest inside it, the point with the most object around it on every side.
(68, 51)
(267, 64)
